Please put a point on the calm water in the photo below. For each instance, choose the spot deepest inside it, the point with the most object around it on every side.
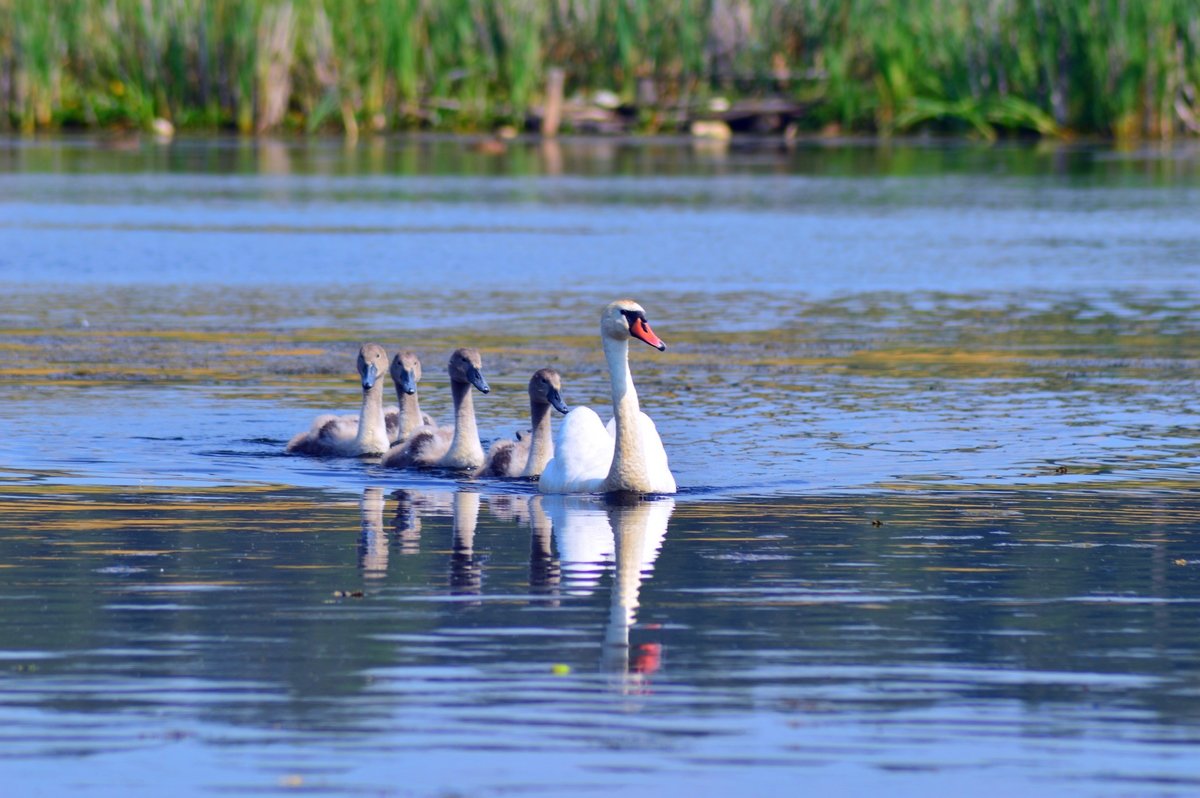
(932, 409)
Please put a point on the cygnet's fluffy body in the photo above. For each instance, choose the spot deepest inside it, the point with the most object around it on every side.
(528, 454)
(456, 447)
(352, 436)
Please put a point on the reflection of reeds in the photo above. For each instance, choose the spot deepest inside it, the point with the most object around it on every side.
(1126, 68)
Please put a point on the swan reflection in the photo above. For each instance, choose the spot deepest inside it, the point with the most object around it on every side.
(590, 536)
(573, 542)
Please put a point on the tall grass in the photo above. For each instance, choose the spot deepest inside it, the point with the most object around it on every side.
(1127, 68)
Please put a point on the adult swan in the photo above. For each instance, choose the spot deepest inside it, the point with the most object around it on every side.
(627, 456)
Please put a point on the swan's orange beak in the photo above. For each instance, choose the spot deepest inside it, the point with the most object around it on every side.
(639, 329)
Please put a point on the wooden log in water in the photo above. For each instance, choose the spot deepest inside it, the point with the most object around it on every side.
(552, 116)
(761, 116)
(766, 115)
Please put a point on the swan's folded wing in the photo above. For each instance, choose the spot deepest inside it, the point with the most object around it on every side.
(661, 478)
(583, 452)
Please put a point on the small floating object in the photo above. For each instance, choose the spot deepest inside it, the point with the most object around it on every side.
(348, 593)
(560, 669)
(608, 100)
(162, 128)
(489, 146)
(711, 129)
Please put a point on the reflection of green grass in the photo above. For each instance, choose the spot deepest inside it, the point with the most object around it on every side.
(1039, 66)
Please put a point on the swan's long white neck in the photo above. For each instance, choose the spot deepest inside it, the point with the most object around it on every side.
(410, 412)
(465, 449)
(628, 470)
(372, 427)
(541, 447)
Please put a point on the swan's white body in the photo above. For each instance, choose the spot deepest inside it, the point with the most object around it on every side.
(626, 456)
(584, 448)
(352, 436)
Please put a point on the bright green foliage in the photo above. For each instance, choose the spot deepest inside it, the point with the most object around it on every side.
(1128, 68)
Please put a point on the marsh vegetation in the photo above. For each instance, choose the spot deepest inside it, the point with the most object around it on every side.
(1041, 67)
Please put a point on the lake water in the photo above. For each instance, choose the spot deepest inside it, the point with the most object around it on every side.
(932, 409)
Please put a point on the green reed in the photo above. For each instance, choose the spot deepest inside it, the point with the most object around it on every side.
(1126, 68)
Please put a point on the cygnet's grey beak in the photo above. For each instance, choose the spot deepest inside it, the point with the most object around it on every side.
(555, 399)
(408, 382)
(476, 378)
(369, 378)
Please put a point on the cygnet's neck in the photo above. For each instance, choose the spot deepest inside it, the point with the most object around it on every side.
(410, 412)
(465, 449)
(372, 427)
(541, 447)
(628, 470)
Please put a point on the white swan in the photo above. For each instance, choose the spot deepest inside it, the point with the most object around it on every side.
(406, 418)
(628, 455)
(446, 447)
(351, 436)
(528, 454)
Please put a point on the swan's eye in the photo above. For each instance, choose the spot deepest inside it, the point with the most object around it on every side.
(633, 316)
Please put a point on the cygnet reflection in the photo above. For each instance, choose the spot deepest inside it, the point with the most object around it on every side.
(373, 542)
(411, 507)
(545, 575)
(466, 573)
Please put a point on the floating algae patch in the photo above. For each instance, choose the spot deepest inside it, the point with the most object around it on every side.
(826, 331)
